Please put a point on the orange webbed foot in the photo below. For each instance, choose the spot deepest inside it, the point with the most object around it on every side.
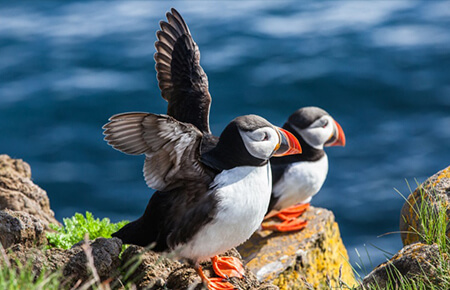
(289, 213)
(228, 267)
(289, 216)
(219, 284)
(286, 226)
(214, 283)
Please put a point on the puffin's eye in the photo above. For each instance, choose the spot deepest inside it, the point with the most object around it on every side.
(266, 137)
(324, 123)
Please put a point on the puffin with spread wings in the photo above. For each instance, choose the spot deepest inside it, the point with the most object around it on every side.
(212, 192)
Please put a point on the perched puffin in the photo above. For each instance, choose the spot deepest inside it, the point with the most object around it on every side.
(212, 193)
(297, 178)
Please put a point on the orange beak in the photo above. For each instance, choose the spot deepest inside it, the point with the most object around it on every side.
(288, 144)
(337, 138)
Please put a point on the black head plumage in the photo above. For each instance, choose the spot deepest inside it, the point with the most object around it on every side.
(230, 151)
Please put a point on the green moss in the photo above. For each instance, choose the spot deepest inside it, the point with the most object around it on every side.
(76, 227)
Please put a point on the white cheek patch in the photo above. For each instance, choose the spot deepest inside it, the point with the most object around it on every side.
(261, 149)
(313, 137)
(317, 136)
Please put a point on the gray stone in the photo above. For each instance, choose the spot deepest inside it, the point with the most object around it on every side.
(416, 260)
(52, 260)
(105, 255)
(17, 227)
(151, 269)
(73, 262)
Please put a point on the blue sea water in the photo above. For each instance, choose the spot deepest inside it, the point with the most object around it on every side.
(380, 68)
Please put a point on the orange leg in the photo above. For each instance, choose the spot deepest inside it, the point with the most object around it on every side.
(289, 212)
(213, 283)
(228, 267)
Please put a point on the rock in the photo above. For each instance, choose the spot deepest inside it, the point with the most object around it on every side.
(14, 166)
(186, 277)
(73, 262)
(19, 193)
(151, 269)
(105, 254)
(52, 259)
(413, 261)
(289, 260)
(435, 191)
(17, 227)
(316, 254)
(157, 271)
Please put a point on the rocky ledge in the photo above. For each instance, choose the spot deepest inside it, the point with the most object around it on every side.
(284, 260)
(314, 257)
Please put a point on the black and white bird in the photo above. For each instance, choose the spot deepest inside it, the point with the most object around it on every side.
(212, 193)
(297, 178)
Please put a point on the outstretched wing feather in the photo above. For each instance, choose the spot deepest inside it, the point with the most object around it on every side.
(171, 147)
(182, 81)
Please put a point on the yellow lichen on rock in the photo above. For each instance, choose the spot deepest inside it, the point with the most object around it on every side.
(315, 255)
(442, 174)
(325, 261)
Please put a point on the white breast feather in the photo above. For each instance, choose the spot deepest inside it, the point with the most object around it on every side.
(244, 195)
(300, 181)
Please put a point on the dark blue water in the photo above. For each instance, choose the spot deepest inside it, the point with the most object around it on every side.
(382, 69)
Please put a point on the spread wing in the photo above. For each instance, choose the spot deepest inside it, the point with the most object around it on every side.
(171, 148)
(182, 81)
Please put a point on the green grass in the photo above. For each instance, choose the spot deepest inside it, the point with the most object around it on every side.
(433, 223)
(75, 228)
(22, 277)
